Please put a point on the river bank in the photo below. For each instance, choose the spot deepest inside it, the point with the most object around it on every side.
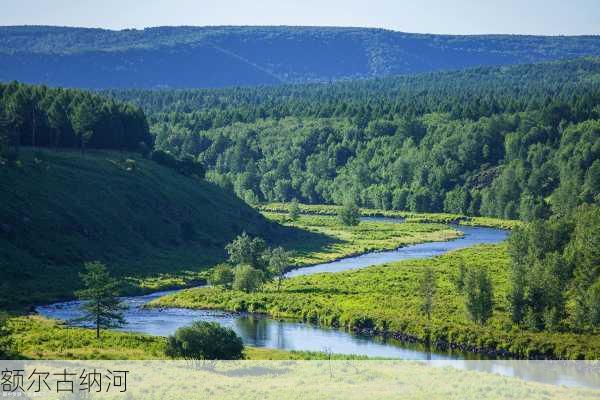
(384, 299)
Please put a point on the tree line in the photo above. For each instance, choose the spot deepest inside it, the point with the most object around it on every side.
(39, 116)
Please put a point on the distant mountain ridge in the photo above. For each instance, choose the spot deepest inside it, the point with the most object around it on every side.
(191, 57)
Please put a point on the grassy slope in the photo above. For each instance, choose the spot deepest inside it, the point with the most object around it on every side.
(65, 209)
(385, 298)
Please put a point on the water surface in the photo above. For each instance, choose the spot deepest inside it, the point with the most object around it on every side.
(289, 335)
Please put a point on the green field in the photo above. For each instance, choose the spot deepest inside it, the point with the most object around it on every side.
(385, 298)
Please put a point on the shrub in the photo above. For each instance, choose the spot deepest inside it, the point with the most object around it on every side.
(247, 279)
(349, 214)
(186, 166)
(205, 341)
(222, 275)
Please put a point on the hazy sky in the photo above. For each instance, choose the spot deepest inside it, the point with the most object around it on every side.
(548, 17)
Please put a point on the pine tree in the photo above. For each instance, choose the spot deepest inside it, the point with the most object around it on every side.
(102, 306)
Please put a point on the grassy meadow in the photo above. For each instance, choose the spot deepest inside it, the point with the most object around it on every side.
(333, 241)
(442, 218)
(386, 298)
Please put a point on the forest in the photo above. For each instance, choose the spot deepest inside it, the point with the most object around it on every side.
(39, 116)
(512, 142)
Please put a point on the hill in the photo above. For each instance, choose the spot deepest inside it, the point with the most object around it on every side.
(152, 226)
(187, 57)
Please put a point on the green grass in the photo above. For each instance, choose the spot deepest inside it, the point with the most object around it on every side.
(385, 298)
(322, 209)
(40, 338)
(61, 209)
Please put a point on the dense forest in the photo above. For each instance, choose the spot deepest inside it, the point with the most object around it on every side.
(38, 116)
(513, 142)
(192, 57)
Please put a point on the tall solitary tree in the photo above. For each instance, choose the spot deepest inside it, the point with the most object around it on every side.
(279, 260)
(349, 214)
(427, 287)
(102, 306)
(480, 296)
(247, 250)
(294, 210)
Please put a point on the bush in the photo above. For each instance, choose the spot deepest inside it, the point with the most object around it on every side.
(205, 341)
(186, 166)
(247, 279)
(349, 214)
(222, 275)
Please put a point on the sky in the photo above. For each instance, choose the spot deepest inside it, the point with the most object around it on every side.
(539, 17)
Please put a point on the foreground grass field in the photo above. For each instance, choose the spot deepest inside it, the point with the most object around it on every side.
(385, 299)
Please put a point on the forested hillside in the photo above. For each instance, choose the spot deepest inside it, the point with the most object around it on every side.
(513, 142)
(187, 57)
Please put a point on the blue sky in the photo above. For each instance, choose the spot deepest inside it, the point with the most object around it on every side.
(544, 17)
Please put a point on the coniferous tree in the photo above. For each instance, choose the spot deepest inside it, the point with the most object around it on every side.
(102, 307)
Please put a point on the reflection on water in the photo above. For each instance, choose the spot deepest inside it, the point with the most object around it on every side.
(287, 335)
(255, 330)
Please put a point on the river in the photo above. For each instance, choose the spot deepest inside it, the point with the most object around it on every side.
(288, 335)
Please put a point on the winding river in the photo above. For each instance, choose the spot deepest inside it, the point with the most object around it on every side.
(287, 335)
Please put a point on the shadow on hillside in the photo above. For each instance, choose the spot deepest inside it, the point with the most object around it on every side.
(303, 241)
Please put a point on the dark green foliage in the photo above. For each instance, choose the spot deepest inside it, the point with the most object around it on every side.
(205, 341)
(60, 209)
(583, 253)
(247, 250)
(234, 56)
(553, 263)
(39, 116)
(102, 306)
(247, 279)
(427, 287)
(511, 142)
(479, 295)
(186, 166)
(279, 261)
(349, 214)
(222, 275)
(459, 280)
(5, 339)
